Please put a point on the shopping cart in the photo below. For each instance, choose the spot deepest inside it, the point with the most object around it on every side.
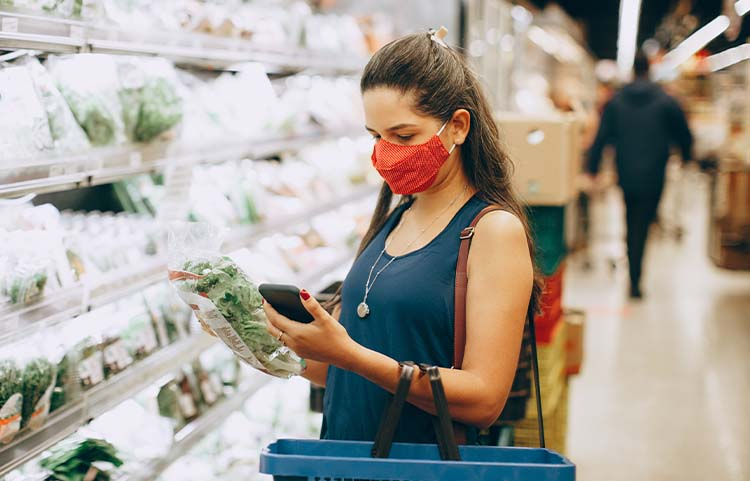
(383, 460)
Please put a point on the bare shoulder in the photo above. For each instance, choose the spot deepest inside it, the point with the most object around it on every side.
(500, 226)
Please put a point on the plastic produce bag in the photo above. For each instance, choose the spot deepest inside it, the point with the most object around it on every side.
(151, 103)
(24, 131)
(67, 135)
(90, 85)
(225, 301)
(11, 399)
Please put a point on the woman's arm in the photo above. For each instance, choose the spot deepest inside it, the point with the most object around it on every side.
(316, 372)
(500, 282)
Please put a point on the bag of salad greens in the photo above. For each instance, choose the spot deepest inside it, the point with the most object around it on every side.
(224, 299)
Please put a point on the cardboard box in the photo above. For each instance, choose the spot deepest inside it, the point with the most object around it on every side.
(575, 322)
(546, 152)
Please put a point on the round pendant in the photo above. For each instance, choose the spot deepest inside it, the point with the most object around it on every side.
(363, 310)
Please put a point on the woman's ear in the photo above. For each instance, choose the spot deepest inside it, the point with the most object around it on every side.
(459, 126)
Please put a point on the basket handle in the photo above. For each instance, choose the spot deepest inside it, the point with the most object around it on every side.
(442, 423)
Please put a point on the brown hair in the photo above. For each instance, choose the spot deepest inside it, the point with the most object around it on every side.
(442, 83)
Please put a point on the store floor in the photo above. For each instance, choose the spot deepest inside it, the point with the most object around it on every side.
(665, 389)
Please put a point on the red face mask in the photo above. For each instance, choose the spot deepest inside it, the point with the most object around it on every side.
(409, 169)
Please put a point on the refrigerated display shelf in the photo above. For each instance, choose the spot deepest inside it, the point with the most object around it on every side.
(239, 236)
(49, 34)
(101, 399)
(17, 322)
(102, 166)
(187, 437)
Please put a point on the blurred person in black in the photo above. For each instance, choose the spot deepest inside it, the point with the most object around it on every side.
(642, 122)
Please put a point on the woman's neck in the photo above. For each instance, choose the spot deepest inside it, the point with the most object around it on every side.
(436, 198)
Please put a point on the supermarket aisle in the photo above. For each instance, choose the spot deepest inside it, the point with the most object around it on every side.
(666, 382)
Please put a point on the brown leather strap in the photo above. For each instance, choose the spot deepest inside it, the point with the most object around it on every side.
(459, 323)
(462, 282)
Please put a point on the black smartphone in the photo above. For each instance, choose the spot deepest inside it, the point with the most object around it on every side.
(285, 299)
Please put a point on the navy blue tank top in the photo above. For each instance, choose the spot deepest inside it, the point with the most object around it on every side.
(411, 319)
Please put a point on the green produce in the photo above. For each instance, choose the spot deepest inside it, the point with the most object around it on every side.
(66, 384)
(81, 460)
(93, 115)
(168, 400)
(11, 381)
(27, 290)
(38, 376)
(238, 301)
(151, 106)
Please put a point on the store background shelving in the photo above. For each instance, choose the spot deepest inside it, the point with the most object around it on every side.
(55, 35)
(22, 33)
(102, 166)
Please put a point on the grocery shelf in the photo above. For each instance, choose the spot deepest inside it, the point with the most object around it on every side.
(239, 236)
(190, 435)
(49, 34)
(100, 399)
(102, 166)
(18, 322)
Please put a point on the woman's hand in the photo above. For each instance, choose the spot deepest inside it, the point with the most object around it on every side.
(323, 340)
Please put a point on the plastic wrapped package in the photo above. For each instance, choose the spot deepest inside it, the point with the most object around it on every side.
(27, 266)
(11, 397)
(149, 95)
(139, 335)
(202, 116)
(24, 130)
(224, 299)
(90, 85)
(249, 99)
(67, 135)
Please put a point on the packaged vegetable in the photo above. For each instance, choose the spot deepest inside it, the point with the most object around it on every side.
(93, 99)
(67, 135)
(91, 365)
(149, 96)
(81, 460)
(11, 400)
(38, 382)
(225, 301)
(24, 131)
(168, 400)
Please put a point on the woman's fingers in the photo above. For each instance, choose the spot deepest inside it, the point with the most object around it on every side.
(280, 322)
(313, 306)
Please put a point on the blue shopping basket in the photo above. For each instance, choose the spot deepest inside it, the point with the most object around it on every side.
(383, 460)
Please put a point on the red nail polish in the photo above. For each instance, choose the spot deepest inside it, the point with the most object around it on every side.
(262, 301)
(304, 294)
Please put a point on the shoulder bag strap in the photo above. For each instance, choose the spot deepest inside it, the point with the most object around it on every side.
(459, 336)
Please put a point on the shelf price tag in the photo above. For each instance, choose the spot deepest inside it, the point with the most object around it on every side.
(9, 24)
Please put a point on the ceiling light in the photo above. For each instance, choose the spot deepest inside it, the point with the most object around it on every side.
(729, 57)
(630, 13)
(691, 45)
(742, 7)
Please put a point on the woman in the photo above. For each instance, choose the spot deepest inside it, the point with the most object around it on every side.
(435, 144)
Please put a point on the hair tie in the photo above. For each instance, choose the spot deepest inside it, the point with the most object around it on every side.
(438, 35)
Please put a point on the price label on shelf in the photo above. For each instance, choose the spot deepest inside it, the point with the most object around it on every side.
(76, 32)
(9, 24)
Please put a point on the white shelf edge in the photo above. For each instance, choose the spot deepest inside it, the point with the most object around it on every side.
(118, 163)
(49, 33)
(100, 399)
